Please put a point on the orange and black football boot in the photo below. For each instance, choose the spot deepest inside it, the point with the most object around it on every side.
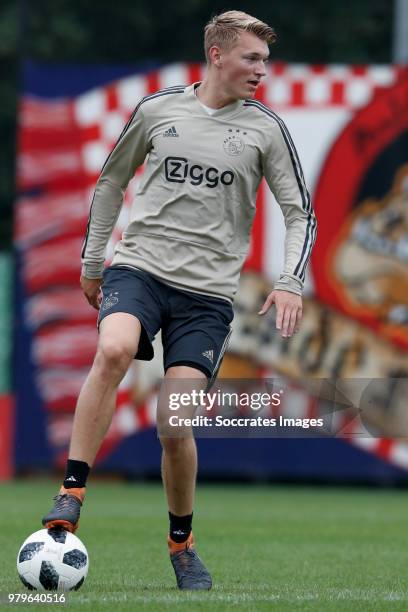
(66, 510)
(191, 573)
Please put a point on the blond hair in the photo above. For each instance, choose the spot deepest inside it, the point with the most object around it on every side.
(223, 30)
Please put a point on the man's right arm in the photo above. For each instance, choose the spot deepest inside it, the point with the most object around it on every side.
(128, 154)
(92, 290)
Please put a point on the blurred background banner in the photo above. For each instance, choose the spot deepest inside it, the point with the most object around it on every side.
(6, 397)
(350, 127)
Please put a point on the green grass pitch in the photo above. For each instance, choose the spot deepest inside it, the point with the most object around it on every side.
(268, 547)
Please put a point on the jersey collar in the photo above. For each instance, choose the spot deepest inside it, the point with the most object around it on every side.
(221, 112)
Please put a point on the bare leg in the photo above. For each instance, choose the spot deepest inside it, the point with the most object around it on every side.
(179, 457)
(118, 342)
(179, 471)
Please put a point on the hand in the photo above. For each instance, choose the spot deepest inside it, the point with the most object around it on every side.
(92, 290)
(288, 311)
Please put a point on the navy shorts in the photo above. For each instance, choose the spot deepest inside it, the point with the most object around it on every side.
(195, 328)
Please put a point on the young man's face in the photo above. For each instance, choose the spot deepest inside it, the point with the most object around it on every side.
(243, 66)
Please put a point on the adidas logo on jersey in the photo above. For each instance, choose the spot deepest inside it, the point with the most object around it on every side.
(171, 132)
(209, 355)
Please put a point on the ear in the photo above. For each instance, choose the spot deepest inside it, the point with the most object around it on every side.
(215, 56)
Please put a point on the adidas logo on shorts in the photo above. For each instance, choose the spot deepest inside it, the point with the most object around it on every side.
(171, 132)
(209, 354)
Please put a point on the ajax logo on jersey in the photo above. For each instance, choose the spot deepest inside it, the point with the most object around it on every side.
(234, 143)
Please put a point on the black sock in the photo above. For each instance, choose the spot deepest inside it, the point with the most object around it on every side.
(180, 527)
(76, 474)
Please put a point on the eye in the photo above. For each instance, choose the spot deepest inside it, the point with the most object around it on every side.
(252, 58)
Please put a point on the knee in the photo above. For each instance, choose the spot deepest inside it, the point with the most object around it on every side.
(113, 359)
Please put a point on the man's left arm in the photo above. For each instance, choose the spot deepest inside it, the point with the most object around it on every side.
(284, 175)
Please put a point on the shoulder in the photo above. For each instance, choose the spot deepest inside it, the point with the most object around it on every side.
(264, 115)
(160, 98)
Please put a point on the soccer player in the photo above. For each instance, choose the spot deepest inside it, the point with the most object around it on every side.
(177, 266)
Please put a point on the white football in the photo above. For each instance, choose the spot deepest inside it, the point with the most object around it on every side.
(51, 560)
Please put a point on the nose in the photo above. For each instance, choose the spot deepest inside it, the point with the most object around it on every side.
(260, 69)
